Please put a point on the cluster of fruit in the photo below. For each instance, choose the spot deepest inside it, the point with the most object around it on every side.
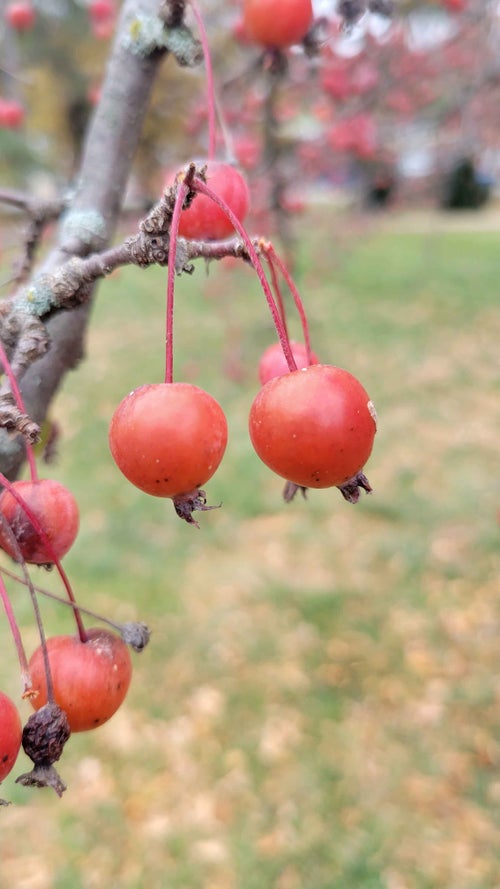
(311, 423)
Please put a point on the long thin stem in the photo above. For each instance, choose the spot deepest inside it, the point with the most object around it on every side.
(200, 186)
(38, 617)
(48, 546)
(16, 635)
(174, 232)
(270, 252)
(20, 404)
(211, 100)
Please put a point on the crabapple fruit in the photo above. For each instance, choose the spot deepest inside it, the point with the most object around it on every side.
(168, 438)
(277, 24)
(204, 219)
(315, 426)
(56, 510)
(274, 364)
(90, 678)
(10, 734)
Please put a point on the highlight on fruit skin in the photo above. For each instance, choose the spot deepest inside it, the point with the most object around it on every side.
(55, 508)
(91, 679)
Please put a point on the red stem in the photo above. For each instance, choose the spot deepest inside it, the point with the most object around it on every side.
(20, 404)
(38, 617)
(16, 635)
(49, 547)
(270, 252)
(212, 105)
(276, 287)
(200, 186)
(174, 233)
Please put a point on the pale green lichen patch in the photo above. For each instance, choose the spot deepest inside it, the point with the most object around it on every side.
(144, 35)
(88, 226)
(37, 299)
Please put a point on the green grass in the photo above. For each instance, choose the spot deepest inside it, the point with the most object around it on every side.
(318, 706)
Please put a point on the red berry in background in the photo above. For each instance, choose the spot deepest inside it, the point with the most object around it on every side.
(168, 438)
(277, 23)
(90, 678)
(315, 427)
(57, 512)
(101, 10)
(20, 16)
(274, 364)
(11, 114)
(10, 734)
(204, 220)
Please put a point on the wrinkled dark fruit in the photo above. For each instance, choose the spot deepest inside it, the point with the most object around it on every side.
(44, 737)
(186, 504)
(136, 635)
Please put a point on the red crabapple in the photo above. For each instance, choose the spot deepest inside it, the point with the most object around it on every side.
(274, 364)
(315, 427)
(57, 512)
(204, 219)
(168, 439)
(277, 24)
(20, 15)
(90, 678)
(10, 734)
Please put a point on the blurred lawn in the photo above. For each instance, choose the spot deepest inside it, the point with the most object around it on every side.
(319, 704)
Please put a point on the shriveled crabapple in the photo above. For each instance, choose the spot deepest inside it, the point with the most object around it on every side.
(168, 439)
(274, 364)
(204, 219)
(56, 510)
(90, 678)
(315, 427)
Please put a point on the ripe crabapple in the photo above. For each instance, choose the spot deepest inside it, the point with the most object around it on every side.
(277, 24)
(20, 15)
(90, 678)
(57, 512)
(168, 439)
(315, 427)
(273, 362)
(204, 219)
(11, 114)
(10, 734)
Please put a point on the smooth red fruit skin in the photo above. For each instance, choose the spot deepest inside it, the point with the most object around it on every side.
(55, 508)
(273, 362)
(20, 16)
(90, 679)
(11, 731)
(204, 220)
(315, 427)
(168, 438)
(277, 23)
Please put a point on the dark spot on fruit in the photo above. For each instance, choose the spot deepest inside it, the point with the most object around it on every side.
(5, 758)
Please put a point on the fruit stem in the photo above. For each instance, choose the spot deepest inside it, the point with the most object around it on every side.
(182, 191)
(49, 547)
(16, 635)
(70, 604)
(273, 257)
(202, 187)
(276, 287)
(211, 101)
(30, 454)
(36, 609)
